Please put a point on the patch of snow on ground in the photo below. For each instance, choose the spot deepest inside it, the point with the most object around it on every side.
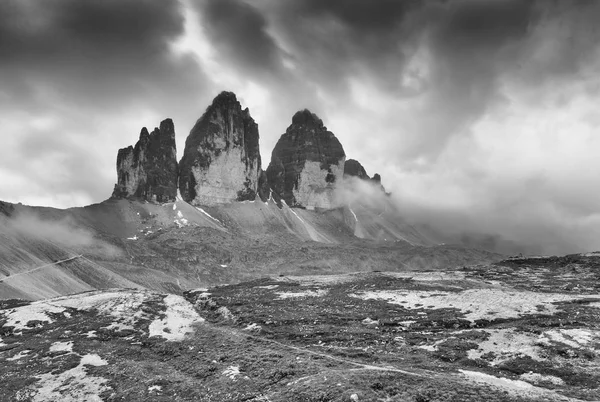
(294, 212)
(207, 214)
(537, 379)
(155, 388)
(254, 327)
(232, 372)
(434, 346)
(353, 214)
(180, 316)
(174, 206)
(72, 385)
(476, 303)
(497, 381)
(19, 355)
(575, 338)
(37, 311)
(223, 266)
(306, 293)
(370, 322)
(592, 254)
(426, 276)
(123, 305)
(313, 280)
(270, 287)
(514, 387)
(507, 344)
(180, 221)
(61, 347)
(132, 238)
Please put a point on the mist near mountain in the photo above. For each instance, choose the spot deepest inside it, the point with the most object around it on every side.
(63, 233)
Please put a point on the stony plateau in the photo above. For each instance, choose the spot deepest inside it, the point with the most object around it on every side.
(148, 171)
(221, 160)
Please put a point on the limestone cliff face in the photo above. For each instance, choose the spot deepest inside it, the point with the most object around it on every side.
(221, 160)
(149, 170)
(306, 163)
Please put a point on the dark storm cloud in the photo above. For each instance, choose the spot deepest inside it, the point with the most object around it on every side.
(101, 50)
(239, 31)
(94, 70)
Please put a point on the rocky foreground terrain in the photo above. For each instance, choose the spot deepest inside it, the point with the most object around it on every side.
(517, 330)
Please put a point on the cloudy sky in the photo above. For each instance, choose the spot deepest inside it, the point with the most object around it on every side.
(482, 116)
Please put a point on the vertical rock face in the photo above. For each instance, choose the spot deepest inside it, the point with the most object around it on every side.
(353, 167)
(221, 160)
(306, 163)
(149, 170)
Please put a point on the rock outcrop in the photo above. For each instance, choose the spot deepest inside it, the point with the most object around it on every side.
(148, 171)
(221, 159)
(353, 168)
(376, 180)
(306, 163)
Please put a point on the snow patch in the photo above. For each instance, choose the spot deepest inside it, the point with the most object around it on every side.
(180, 317)
(19, 355)
(537, 378)
(122, 305)
(207, 214)
(434, 346)
(497, 381)
(306, 293)
(353, 214)
(232, 372)
(132, 238)
(476, 304)
(270, 287)
(507, 344)
(72, 385)
(174, 207)
(180, 221)
(38, 311)
(575, 338)
(223, 266)
(254, 327)
(155, 388)
(61, 347)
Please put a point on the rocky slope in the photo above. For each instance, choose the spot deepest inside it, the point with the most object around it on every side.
(171, 247)
(520, 330)
(306, 163)
(148, 171)
(221, 159)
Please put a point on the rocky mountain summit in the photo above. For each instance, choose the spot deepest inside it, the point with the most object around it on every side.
(306, 163)
(148, 171)
(221, 159)
(353, 168)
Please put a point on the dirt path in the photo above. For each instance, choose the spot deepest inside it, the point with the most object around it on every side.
(41, 267)
(362, 366)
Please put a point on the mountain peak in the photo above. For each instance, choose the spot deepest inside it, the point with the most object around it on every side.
(149, 170)
(306, 117)
(224, 139)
